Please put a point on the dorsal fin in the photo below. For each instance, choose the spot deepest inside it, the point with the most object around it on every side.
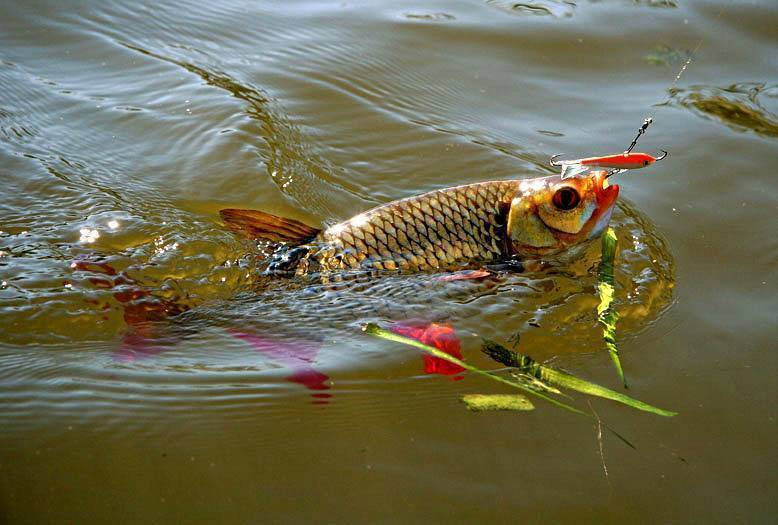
(260, 225)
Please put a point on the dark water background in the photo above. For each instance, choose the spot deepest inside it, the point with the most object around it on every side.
(263, 403)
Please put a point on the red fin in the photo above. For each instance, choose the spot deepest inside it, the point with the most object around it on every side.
(261, 225)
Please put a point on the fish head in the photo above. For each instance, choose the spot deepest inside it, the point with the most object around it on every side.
(548, 215)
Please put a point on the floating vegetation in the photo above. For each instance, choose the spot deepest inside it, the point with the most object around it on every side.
(558, 8)
(486, 402)
(657, 3)
(376, 331)
(664, 55)
(606, 314)
(528, 366)
(738, 106)
(525, 365)
(536, 384)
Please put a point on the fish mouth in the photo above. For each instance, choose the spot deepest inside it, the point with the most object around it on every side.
(606, 195)
(605, 191)
(606, 198)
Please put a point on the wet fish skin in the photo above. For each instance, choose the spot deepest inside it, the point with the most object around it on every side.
(436, 230)
(445, 229)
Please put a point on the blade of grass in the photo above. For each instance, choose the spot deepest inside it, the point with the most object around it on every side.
(606, 315)
(551, 375)
(513, 359)
(376, 331)
(537, 384)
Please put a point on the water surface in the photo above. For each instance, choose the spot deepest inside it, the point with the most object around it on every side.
(126, 126)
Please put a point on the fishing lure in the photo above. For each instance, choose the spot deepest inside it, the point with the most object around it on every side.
(618, 162)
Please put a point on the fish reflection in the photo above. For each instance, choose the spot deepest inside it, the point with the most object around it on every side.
(296, 354)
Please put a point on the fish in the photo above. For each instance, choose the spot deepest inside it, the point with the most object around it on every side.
(442, 230)
(618, 162)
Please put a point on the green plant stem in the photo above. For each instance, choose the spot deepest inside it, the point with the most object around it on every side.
(375, 330)
(606, 314)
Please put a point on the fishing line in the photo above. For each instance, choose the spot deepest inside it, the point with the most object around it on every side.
(614, 164)
(650, 119)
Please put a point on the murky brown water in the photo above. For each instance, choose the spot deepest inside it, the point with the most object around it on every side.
(263, 402)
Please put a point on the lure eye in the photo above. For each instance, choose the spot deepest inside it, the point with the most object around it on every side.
(566, 198)
(645, 163)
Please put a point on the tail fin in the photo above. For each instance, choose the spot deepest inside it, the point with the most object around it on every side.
(261, 225)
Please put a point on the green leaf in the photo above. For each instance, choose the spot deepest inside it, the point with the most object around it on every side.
(606, 297)
(484, 402)
(663, 55)
(606, 315)
(376, 331)
(546, 373)
(536, 384)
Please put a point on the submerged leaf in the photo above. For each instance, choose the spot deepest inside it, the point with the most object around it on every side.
(606, 297)
(531, 367)
(664, 55)
(535, 383)
(515, 360)
(376, 331)
(501, 354)
(609, 243)
(606, 315)
(483, 402)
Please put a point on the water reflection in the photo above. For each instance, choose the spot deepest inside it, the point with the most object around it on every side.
(742, 107)
(139, 385)
(297, 354)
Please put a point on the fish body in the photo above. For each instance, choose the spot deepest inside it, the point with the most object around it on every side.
(439, 229)
(443, 229)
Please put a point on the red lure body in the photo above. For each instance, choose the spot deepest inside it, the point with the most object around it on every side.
(620, 161)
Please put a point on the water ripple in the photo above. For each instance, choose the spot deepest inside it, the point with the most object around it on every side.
(741, 107)
(557, 8)
(278, 334)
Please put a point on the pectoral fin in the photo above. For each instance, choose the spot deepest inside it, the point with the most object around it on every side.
(260, 225)
(573, 170)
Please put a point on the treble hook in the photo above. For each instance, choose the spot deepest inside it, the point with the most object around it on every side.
(611, 173)
(555, 164)
(664, 154)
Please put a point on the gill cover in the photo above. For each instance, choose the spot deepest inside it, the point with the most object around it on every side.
(547, 215)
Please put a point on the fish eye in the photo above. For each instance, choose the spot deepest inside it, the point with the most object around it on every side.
(566, 198)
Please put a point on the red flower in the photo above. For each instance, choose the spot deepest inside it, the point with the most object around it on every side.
(440, 336)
